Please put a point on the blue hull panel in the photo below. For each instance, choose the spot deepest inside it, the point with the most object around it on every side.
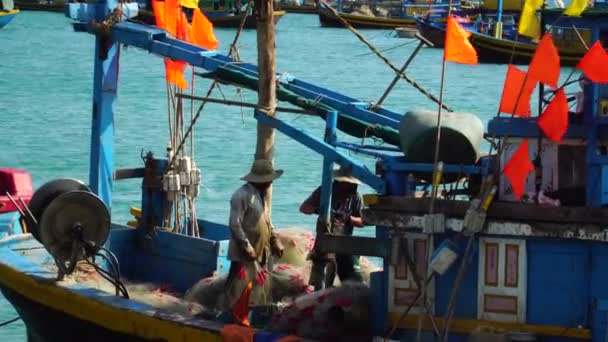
(6, 18)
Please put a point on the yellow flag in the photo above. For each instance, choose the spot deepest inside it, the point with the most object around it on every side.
(529, 24)
(576, 7)
(189, 3)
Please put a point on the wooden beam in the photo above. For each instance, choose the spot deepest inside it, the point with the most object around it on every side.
(355, 245)
(392, 205)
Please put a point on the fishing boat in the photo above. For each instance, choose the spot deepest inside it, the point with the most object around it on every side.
(510, 47)
(527, 270)
(402, 16)
(406, 32)
(231, 20)
(7, 12)
(46, 6)
(297, 7)
(218, 18)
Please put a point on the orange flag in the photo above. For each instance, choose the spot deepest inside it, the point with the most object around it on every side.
(175, 73)
(240, 311)
(514, 81)
(517, 168)
(458, 49)
(171, 16)
(184, 31)
(202, 31)
(554, 120)
(595, 63)
(237, 333)
(545, 65)
(159, 13)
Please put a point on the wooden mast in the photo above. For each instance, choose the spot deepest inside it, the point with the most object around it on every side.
(264, 149)
(267, 71)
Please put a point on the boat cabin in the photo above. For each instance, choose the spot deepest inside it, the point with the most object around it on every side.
(535, 270)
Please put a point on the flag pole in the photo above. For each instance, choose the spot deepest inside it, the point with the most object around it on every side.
(435, 183)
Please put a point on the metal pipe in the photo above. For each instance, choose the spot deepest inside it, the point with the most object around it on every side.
(397, 77)
(317, 276)
(15, 204)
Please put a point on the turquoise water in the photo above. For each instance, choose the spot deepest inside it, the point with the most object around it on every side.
(45, 106)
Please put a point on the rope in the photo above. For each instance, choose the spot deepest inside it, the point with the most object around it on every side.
(231, 53)
(386, 60)
(10, 321)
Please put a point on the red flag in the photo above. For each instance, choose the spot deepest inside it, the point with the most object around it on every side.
(240, 310)
(554, 120)
(458, 49)
(202, 31)
(514, 85)
(595, 63)
(545, 65)
(517, 168)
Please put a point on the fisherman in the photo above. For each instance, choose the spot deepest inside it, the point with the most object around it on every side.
(346, 205)
(252, 240)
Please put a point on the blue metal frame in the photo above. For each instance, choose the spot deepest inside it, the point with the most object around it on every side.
(330, 152)
(105, 88)
(328, 167)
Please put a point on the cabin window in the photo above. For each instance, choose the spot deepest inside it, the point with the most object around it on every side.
(502, 274)
(402, 284)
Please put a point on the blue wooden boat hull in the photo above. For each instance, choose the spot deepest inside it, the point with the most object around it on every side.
(54, 312)
(6, 17)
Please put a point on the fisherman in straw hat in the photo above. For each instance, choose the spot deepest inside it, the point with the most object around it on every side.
(252, 240)
(346, 205)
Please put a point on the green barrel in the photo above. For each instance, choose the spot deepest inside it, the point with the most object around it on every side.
(460, 143)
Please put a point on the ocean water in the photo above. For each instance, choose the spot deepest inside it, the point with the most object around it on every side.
(46, 72)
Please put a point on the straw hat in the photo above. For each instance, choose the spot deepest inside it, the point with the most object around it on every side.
(262, 172)
(344, 174)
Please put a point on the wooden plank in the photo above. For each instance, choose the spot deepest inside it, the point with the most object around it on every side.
(498, 211)
(355, 245)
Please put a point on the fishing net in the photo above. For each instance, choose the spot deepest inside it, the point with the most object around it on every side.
(287, 281)
(208, 292)
(297, 243)
(337, 314)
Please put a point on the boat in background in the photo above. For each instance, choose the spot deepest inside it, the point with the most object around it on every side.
(406, 32)
(387, 16)
(227, 19)
(7, 12)
(506, 46)
(41, 5)
(228, 15)
(303, 7)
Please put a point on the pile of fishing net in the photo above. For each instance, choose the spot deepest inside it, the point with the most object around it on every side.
(298, 243)
(160, 297)
(334, 314)
(286, 281)
(289, 275)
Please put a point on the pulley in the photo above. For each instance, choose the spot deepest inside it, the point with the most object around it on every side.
(74, 226)
(45, 195)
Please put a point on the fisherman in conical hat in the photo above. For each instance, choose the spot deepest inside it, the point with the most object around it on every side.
(252, 240)
(346, 206)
